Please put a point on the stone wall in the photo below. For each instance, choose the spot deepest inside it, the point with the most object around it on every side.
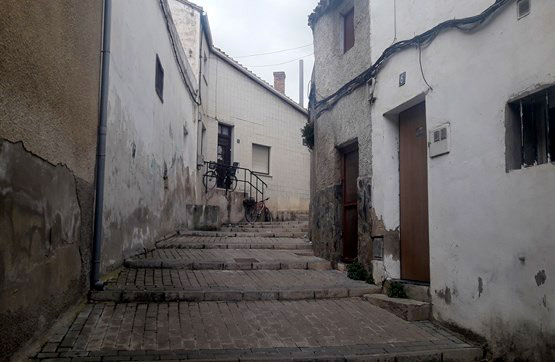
(49, 71)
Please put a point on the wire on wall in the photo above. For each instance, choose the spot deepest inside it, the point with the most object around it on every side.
(422, 69)
(316, 108)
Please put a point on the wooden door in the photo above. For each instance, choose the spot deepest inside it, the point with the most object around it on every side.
(415, 250)
(224, 153)
(350, 214)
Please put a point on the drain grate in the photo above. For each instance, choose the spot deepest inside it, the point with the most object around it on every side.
(246, 260)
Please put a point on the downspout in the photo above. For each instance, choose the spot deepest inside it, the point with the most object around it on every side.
(96, 283)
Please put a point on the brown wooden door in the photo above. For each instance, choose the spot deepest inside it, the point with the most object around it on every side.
(224, 153)
(415, 250)
(350, 215)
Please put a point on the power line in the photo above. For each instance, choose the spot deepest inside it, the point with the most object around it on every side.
(273, 65)
(274, 52)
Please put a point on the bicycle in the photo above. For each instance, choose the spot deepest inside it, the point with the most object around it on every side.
(254, 209)
(219, 174)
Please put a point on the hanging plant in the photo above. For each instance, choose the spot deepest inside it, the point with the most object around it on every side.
(308, 135)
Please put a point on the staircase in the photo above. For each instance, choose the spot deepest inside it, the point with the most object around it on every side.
(246, 293)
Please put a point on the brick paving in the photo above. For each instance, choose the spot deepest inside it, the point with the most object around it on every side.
(231, 259)
(135, 285)
(220, 242)
(153, 331)
(251, 318)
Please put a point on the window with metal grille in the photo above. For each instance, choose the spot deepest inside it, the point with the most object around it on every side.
(261, 159)
(348, 30)
(159, 81)
(530, 133)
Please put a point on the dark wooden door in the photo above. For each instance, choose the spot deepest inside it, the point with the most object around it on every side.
(224, 153)
(350, 215)
(415, 250)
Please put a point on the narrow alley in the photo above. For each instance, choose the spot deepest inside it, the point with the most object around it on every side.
(245, 294)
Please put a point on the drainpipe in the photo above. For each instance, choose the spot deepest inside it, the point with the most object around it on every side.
(101, 148)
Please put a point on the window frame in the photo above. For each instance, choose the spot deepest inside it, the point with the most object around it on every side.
(530, 130)
(269, 148)
(159, 79)
(350, 14)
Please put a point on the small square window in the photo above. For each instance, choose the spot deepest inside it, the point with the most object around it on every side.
(523, 8)
(530, 130)
(348, 30)
(159, 81)
(261, 159)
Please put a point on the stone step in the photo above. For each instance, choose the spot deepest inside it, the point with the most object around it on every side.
(271, 223)
(228, 259)
(268, 226)
(414, 290)
(199, 242)
(142, 285)
(240, 229)
(408, 309)
(268, 234)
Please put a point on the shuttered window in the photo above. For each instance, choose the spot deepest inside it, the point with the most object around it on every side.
(349, 30)
(261, 159)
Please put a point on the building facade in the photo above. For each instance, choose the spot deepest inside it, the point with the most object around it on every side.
(48, 126)
(245, 120)
(453, 177)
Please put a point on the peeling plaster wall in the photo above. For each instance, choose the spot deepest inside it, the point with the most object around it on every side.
(348, 121)
(49, 83)
(151, 145)
(491, 231)
(187, 23)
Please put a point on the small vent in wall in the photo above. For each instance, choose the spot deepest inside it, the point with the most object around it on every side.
(440, 143)
(523, 8)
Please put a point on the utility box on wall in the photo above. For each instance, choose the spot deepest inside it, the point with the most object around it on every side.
(440, 140)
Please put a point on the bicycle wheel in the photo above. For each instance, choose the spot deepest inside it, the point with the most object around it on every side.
(209, 180)
(267, 215)
(232, 183)
(250, 213)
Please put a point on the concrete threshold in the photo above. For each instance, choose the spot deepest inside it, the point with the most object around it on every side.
(408, 309)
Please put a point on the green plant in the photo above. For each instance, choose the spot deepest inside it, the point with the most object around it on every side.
(356, 271)
(370, 279)
(396, 290)
(308, 135)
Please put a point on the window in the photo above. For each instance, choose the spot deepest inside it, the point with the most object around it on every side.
(261, 159)
(159, 81)
(523, 8)
(530, 133)
(348, 30)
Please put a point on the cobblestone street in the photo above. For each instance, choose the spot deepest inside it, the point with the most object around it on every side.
(227, 298)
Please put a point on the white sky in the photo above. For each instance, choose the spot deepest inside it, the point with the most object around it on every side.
(245, 27)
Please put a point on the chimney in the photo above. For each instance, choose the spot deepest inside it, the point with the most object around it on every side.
(279, 82)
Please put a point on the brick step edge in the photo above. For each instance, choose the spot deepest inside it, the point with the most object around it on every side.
(377, 352)
(269, 234)
(407, 309)
(217, 265)
(264, 246)
(230, 295)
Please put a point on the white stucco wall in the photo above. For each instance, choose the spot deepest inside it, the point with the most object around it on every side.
(187, 22)
(491, 231)
(258, 116)
(145, 136)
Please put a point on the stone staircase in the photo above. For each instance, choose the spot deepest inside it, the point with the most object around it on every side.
(224, 296)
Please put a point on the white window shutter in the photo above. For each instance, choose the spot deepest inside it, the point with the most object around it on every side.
(261, 159)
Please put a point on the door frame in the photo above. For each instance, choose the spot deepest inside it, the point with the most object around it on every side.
(420, 99)
(344, 149)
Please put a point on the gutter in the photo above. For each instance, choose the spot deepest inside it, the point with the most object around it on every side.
(95, 281)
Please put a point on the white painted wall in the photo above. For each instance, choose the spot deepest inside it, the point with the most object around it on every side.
(261, 117)
(187, 22)
(140, 206)
(483, 220)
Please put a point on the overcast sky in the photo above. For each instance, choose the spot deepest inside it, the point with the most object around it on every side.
(245, 27)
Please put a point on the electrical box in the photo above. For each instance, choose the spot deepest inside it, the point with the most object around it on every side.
(440, 140)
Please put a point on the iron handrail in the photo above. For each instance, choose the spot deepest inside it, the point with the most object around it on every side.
(257, 185)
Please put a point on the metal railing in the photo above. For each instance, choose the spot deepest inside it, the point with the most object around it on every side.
(247, 181)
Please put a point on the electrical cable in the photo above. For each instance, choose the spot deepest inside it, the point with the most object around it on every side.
(422, 69)
(316, 108)
(273, 65)
(274, 52)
